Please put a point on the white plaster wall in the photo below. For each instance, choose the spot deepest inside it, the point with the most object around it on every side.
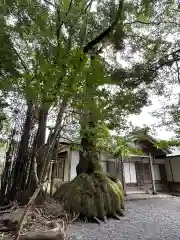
(156, 172)
(74, 162)
(130, 173)
(103, 156)
(104, 165)
(133, 173)
(126, 173)
(175, 163)
(66, 167)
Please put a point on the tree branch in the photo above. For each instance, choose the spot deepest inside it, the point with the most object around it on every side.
(177, 66)
(21, 60)
(53, 136)
(49, 3)
(89, 4)
(59, 21)
(59, 25)
(35, 170)
(165, 61)
(99, 38)
(151, 23)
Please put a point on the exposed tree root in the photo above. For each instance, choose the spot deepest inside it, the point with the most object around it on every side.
(7, 206)
(74, 219)
(97, 220)
(105, 219)
(55, 233)
(117, 217)
(92, 195)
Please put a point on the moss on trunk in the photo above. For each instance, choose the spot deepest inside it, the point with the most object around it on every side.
(88, 163)
(92, 195)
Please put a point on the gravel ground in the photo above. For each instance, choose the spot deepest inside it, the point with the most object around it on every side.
(145, 219)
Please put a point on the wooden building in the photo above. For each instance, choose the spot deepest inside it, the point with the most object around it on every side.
(145, 172)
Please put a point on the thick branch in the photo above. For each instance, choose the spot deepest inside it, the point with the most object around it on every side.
(60, 23)
(177, 66)
(99, 38)
(151, 23)
(21, 60)
(50, 3)
(166, 60)
(88, 6)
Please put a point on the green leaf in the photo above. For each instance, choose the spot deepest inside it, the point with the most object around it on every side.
(167, 10)
(129, 28)
(143, 18)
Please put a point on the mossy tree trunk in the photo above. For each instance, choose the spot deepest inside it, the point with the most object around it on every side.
(88, 162)
(93, 193)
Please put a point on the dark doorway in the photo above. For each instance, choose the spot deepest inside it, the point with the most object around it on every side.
(139, 174)
(162, 170)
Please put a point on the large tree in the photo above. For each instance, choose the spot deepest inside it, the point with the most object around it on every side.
(73, 55)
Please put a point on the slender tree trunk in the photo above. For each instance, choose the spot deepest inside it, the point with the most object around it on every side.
(22, 157)
(41, 136)
(122, 173)
(152, 175)
(51, 141)
(5, 178)
(42, 151)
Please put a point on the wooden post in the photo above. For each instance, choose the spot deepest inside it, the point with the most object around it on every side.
(52, 177)
(152, 175)
(170, 165)
(122, 172)
(170, 186)
(68, 159)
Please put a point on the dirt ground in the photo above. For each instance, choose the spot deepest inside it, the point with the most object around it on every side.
(145, 219)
